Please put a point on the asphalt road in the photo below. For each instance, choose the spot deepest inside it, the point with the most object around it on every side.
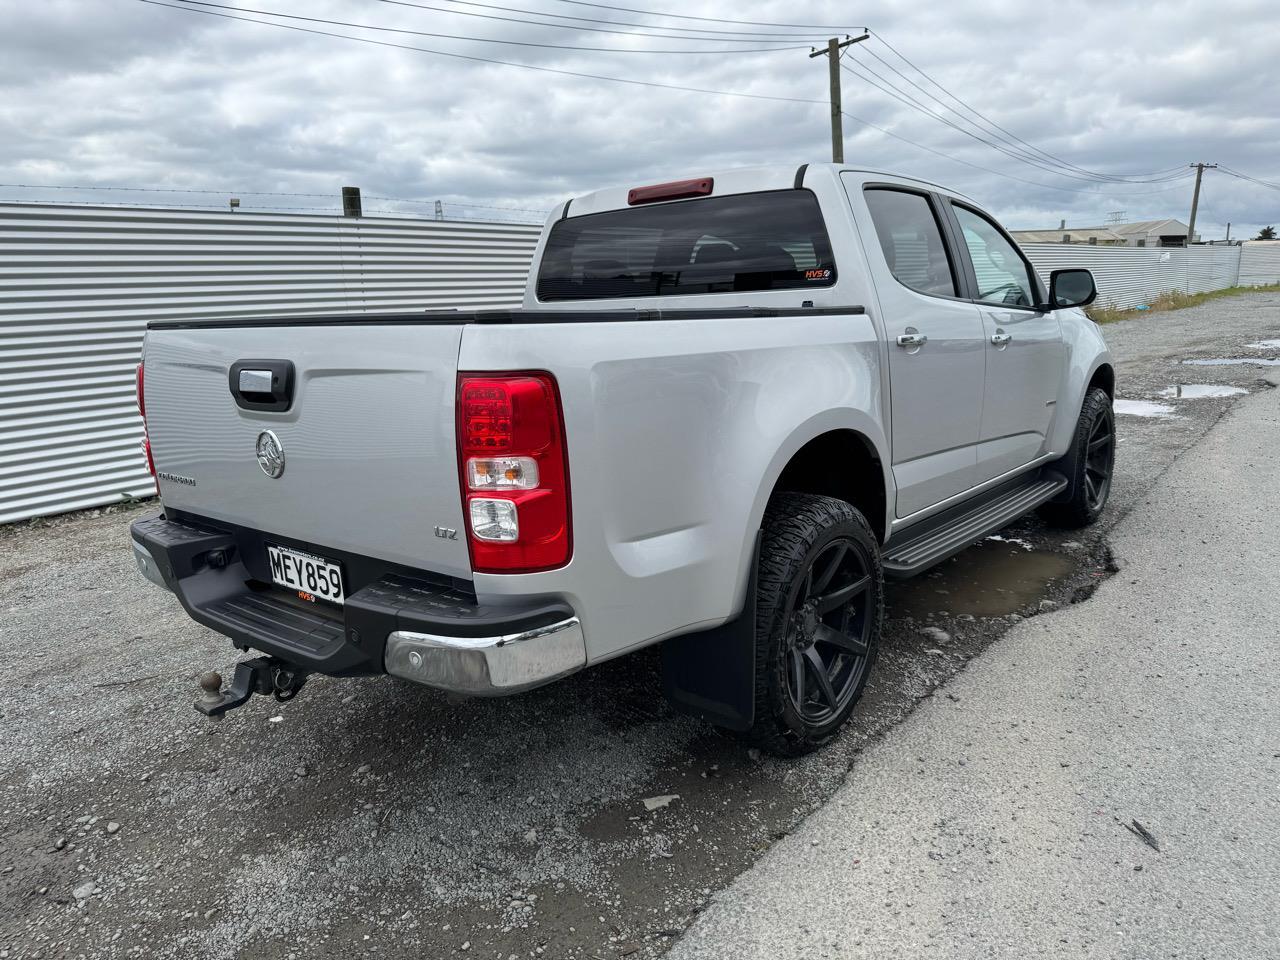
(374, 817)
(1104, 781)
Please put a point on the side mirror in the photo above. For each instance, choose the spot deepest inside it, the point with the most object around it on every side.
(1071, 288)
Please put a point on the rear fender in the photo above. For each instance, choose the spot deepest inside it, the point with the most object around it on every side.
(711, 673)
(825, 422)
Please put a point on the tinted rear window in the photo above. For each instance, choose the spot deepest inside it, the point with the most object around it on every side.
(744, 242)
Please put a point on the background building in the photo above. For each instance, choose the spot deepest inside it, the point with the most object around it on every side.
(1140, 233)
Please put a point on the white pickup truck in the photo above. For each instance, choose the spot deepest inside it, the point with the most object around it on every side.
(729, 407)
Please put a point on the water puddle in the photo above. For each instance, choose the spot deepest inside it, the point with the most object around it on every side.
(1198, 391)
(1234, 361)
(1142, 408)
(992, 579)
(997, 538)
(1265, 345)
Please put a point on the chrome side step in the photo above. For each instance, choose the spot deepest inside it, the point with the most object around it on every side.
(967, 524)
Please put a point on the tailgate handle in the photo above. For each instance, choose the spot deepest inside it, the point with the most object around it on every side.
(262, 384)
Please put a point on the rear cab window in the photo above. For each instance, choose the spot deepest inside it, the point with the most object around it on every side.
(773, 240)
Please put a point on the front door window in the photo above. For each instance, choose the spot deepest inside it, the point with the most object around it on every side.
(1002, 274)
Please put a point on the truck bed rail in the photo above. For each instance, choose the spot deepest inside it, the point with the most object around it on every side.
(514, 316)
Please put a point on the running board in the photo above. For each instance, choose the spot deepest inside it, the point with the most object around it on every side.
(955, 529)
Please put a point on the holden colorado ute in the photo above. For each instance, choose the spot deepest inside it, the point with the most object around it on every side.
(728, 408)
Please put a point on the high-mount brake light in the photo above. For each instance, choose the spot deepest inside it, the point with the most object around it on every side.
(514, 472)
(142, 409)
(675, 190)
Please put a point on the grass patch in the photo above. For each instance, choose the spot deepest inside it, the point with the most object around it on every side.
(1173, 300)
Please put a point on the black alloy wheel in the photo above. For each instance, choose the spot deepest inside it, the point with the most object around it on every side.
(1100, 460)
(819, 608)
(830, 622)
(1088, 465)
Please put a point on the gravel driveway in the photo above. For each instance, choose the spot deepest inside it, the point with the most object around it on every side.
(372, 816)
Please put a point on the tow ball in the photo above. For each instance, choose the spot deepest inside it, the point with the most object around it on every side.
(265, 675)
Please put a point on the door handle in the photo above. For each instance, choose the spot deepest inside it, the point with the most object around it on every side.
(912, 339)
(1001, 338)
(262, 384)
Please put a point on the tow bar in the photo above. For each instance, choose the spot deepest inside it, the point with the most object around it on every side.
(260, 675)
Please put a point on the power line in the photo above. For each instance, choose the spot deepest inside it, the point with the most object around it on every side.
(682, 16)
(998, 173)
(895, 92)
(652, 84)
(1244, 176)
(560, 26)
(992, 123)
(916, 105)
(1007, 139)
(450, 36)
(475, 59)
(753, 36)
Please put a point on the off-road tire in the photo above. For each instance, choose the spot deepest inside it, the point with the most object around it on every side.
(1078, 506)
(798, 528)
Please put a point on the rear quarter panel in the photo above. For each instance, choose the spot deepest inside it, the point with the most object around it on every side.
(676, 432)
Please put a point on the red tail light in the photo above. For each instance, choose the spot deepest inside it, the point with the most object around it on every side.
(514, 472)
(142, 409)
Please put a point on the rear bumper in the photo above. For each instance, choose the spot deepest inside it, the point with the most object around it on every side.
(488, 666)
(433, 634)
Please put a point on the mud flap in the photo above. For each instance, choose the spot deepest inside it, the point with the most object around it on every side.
(712, 673)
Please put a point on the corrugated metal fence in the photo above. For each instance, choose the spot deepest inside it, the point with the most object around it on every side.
(78, 285)
(1259, 262)
(1132, 276)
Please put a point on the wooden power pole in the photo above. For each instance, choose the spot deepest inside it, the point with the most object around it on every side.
(1195, 197)
(832, 53)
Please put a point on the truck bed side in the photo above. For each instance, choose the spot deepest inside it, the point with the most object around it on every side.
(676, 433)
(677, 425)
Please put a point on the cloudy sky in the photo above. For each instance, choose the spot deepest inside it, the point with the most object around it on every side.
(124, 93)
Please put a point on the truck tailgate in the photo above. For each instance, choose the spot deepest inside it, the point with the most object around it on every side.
(370, 462)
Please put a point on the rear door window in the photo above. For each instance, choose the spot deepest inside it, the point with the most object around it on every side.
(748, 242)
(911, 239)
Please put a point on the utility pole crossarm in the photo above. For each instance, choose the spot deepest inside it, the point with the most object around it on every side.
(832, 53)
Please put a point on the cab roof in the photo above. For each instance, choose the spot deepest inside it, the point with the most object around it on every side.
(736, 180)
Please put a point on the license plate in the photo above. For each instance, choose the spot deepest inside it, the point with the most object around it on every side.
(306, 574)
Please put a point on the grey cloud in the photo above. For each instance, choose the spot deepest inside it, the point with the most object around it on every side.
(118, 92)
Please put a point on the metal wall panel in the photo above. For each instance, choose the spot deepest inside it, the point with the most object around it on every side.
(78, 285)
(1211, 267)
(1133, 276)
(1259, 262)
